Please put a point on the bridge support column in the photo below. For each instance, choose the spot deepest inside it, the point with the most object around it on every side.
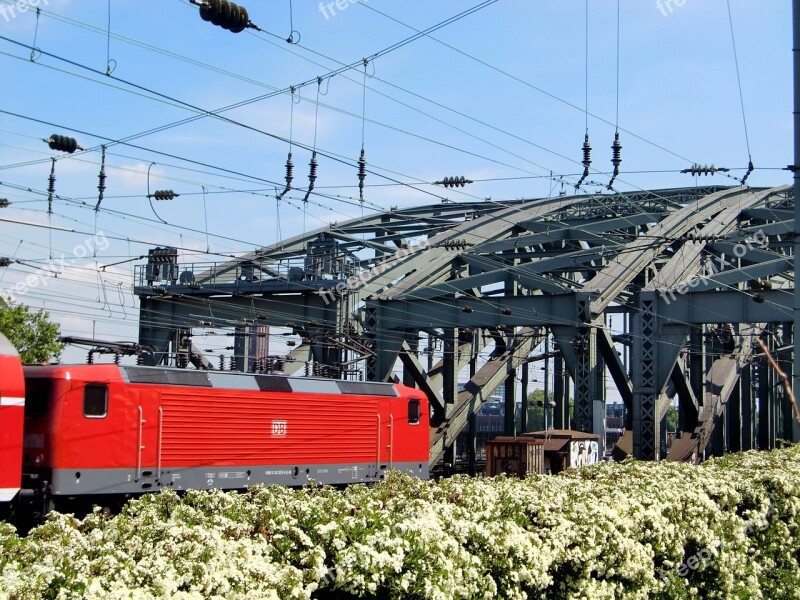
(733, 420)
(766, 431)
(790, 429)
(579, 347)
(523, 423)
(155, 331)
(510, 401)
(450, 386)
(560, 395)
(472, 426)
(748, 408)
(656, 348)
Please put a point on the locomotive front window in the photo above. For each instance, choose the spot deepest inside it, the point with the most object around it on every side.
(413, 412)
(95, 401)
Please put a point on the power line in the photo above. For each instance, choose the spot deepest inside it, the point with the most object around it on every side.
(522, 81)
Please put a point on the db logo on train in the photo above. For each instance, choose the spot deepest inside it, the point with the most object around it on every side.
(279, 429)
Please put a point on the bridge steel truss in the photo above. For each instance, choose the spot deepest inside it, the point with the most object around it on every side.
(696, 275)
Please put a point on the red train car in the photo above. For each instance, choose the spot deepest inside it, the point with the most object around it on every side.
(102, 430)
(12, 408)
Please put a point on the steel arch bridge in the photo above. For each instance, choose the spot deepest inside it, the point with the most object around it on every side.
(696, 277)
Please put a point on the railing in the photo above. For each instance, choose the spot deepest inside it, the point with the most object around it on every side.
(139, 446)
(210, 274)
(379, 444)
(160, 434)
(391, 439)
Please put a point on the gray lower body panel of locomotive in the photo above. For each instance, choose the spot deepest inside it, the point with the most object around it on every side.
(67, 482)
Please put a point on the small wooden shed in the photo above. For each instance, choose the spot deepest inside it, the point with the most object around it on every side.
(516, 456)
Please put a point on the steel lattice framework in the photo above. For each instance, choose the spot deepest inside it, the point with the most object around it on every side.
(697, 275)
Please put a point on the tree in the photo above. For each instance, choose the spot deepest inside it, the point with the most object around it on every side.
(536, 410)
(672, 418)
(34, 336)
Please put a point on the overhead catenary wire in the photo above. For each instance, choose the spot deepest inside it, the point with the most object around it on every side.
(109, 211)
(312, 166)
(587, 147)
(522, 81)
(35, 34)
(224, 119)
(290, 39)
(220, 190)
(248, 80)
(616, 147)
(188, 160)
(454, 19)
(111, 65)
(750, 167)
(205, 220)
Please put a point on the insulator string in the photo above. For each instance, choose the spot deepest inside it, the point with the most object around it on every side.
(51, 186)
(587, 160)
(51, 190)
(289, 164)
(362, 161)
(101, 185)
(150, 197)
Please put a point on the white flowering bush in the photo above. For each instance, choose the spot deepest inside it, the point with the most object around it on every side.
(729, 528)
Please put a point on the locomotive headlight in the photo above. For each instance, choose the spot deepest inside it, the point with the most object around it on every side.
(38, 459)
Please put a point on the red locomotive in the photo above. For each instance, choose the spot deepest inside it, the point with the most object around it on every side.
(96, 433)
(12, 408)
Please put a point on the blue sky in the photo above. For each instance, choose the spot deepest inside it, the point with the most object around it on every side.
(510, 113)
